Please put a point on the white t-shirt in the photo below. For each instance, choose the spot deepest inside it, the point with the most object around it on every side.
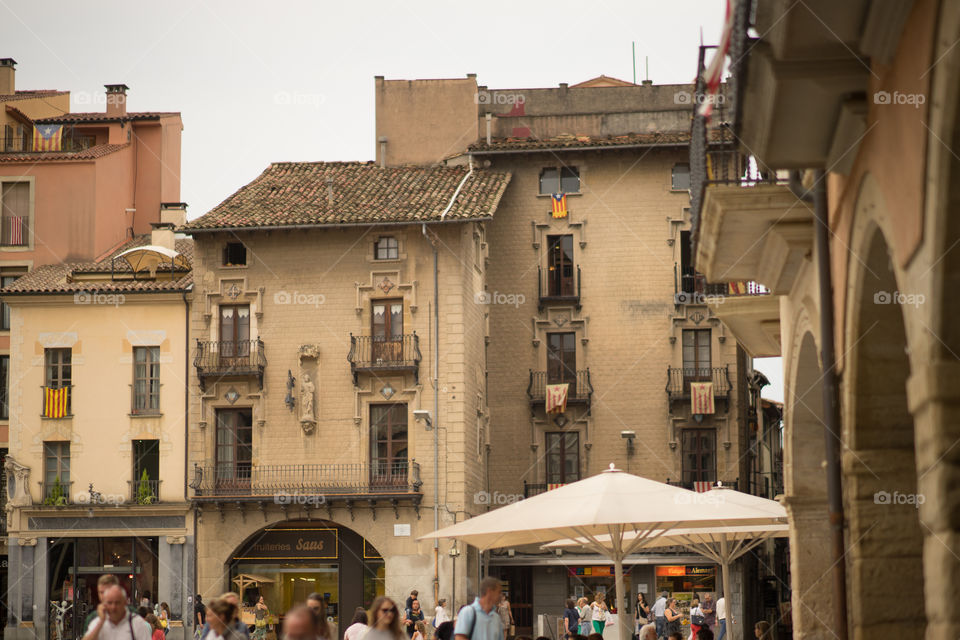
(659, 606)
(721, 609)
(121, 630)
(440, 616)
(355, 631)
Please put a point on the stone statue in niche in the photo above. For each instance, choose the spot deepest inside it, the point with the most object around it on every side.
(18, 483)
(308, 417)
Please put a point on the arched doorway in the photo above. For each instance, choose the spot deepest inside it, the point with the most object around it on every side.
(287, 561)
(806, 497)
(880, 477)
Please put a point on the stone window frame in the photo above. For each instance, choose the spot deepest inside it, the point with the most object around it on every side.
(31, 215)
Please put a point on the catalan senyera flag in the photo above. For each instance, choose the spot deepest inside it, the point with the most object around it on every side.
(737, 288)
(559, 202)
(554, 485)
(701, 397)
(46, 137)
(55, 402)
(702, 487)
(556, 397)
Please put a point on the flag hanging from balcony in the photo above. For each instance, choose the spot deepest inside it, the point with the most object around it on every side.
(554, 485)
(557, 398)
(701, 397)
(714, 72)
(55, 402)
(559, 202)
(702, 487)
(46, 137)
(14, 231)
(737, 288)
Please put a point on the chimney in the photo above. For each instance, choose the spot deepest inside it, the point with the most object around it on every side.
(8, 69)
(162, 235)
(329, 182)
(383, 151)
(174, 213)
(116, 100)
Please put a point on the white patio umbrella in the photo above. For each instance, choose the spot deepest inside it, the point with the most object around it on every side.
(722, 545)
(630, 510)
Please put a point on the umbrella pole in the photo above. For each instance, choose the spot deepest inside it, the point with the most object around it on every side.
(625, 632)
(728, 603)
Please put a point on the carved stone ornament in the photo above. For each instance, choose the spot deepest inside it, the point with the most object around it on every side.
(18, 483)
(308, 417)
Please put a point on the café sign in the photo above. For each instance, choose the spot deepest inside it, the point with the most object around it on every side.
(292, 544)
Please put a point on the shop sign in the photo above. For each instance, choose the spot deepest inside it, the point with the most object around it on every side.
(672, 571)
(593, 572)
(292, 544)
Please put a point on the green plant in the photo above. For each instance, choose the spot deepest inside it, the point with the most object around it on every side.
(144, 494)
(56, 497)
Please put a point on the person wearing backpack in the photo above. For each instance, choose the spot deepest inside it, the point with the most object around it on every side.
(480, 621)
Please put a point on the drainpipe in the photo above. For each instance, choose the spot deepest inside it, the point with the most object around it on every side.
(436, 407)
(831, 393)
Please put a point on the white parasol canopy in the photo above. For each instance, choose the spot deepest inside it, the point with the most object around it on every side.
(149, 257)
(628, 509)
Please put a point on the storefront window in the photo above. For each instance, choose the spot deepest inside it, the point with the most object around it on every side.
(686, 582)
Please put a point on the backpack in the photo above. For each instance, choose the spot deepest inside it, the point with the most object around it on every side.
(473, 623)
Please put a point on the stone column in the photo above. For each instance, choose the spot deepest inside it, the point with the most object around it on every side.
(35, 565)
(171, 580)
(811, 584)
(13, 598)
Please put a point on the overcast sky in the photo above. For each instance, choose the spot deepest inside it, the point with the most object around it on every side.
(264, 82)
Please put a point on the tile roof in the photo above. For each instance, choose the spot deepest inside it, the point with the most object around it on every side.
(570, 141)
(63, 278)
(97, 116)
(289, 194)
(92, 153)
(33, 93)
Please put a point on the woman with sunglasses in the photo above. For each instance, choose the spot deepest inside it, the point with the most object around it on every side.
(384, 621)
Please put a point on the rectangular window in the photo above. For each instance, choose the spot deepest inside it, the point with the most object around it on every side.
(4, 387)
(562, 360)
(146, 380)
(560, 281)
(559, 179)
(14, 213)
(234, 450)
(563, 457)
(234, 254)
(386, 248)
(56, 469)
(146, 458)
(234, 333)
(59, 375)
(387, 330)
(699, 454)
(696, 354)
(680, 177)
(6, 280)
(388, 445)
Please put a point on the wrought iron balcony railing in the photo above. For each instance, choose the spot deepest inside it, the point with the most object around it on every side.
(552, 288)
(692, 486)
(23, 143)
(679, 379)
(57, 493)
(580, 390)
(374, 353)
(298, 483)
(697, 289)
(149, 495)
(531, 489)
(223, 358)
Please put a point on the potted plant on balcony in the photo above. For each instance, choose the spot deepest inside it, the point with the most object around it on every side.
(56, 498)
(144, 494)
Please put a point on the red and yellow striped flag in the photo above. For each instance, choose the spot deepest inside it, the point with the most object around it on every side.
(556, 398)
(46, 137)
(701, 397)
(55, 402)
(559, 202)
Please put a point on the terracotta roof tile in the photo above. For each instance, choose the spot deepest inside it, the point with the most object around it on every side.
(28, 94)
(580, 141)
(103, 117)
(63, 278)
(291, 194)
(92, 153)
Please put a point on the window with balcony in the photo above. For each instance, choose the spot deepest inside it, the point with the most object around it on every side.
(563, 457)
(146, 380)
(560, 272)
(56, 472)
(234, 334)
(234, 254)
(14, 213)
(58, 383)
(680, 177)
(699, 455)
(4, 387)
(234, 448)
(562, 359)
(388, 445)
(387, 330)
(696, 355)
(145, 486)
(559, 180)
(386, 248)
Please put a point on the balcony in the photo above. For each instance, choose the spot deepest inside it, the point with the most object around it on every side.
(144, 493)
(694, 486)
(692, 288)
(56, 494)
(14, 231)
(226, 358)
(679, 379)
(374, 354)
(531, 489)
(69, 143)
(552, 289)
(580, 391)
(310, 485)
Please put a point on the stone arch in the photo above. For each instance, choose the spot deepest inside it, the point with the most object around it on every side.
(879, 462)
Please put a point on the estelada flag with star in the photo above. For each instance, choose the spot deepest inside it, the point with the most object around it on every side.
(559, 201)
(46, 137)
